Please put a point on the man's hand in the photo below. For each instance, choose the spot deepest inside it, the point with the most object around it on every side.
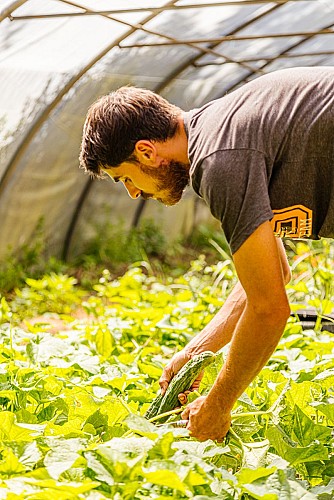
(206, 421)
(172, 368)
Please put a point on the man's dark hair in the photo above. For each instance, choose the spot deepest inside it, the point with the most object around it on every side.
(115, 122)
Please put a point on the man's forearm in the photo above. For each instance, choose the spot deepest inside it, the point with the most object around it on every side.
(254, 340)
(218, 332)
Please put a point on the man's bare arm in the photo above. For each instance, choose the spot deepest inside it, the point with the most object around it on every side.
(219, 331)
(256, 336)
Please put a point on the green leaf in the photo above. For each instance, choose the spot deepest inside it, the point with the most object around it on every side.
(246, 427)
(166, 478)
(71, 428)
(10, 464)
(302, 394)
(25, 416)
(324, 492)
(53, 385)
(327, 410)
(124, 459)
(78, 393)
(81, 403)
(104, 342)
(194, 478)
(149, 369)
(62, 456)
(277, 486)
(255, 454)
(11, 431)
(310, 453)
(5, 312)
(250, 475)
(211, 372)
(295, 454)
(206, 453)
(60, 490)
(141, 426)
(115, 409)
(163, 447)
(28, 454)
(140, 395)
(306, 430)
(101, 473)
(98, 421)
(260, 492)
(122, 449)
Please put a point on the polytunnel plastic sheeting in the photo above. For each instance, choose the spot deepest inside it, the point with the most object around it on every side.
(38, 58)
(57, 56)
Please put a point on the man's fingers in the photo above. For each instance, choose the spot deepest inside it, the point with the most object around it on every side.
(183, 397)
(163, 386)
(185, 414)
(173, 367)
(165, 378)
(197, 382)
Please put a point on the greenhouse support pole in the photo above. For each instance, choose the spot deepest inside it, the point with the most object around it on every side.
(6, 12)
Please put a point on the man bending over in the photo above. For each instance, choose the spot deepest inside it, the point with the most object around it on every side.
(262, 158)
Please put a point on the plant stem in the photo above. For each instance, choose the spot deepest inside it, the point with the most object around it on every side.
(166, 414)
(127, 433)
(235, 435)
(249, 414)
(233, 416)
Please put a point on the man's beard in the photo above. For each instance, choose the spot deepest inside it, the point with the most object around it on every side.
(172, 177)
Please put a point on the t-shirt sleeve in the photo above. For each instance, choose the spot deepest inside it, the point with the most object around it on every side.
(234, 184)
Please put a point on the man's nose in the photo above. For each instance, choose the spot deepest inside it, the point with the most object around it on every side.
(132, 190)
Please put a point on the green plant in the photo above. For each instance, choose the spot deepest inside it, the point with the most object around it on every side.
(5, 311)
(73, 401)
(55, 293)
(30, 260)
(114, 244)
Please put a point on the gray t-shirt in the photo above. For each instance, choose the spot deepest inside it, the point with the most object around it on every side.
(266, 152)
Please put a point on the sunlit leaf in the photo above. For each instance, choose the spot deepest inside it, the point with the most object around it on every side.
(307, 431)
(104, 342)
(10, 464)
(328, 410)
(62, 456)
(9, 430)
(166, 478)
(141, 425)
(296, 454)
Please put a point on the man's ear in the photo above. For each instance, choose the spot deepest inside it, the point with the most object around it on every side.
(146, 152)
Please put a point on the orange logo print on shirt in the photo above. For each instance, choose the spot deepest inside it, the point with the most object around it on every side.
(292, 222)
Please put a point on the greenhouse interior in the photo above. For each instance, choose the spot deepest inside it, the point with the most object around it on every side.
(100, 294)
(57, 57)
